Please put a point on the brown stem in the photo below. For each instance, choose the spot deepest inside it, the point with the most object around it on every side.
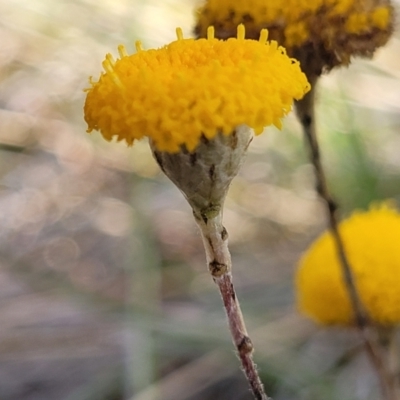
(389, 339)
(305, 112)
(215, 239)
(394, 364)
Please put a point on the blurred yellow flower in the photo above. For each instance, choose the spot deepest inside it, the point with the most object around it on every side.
(190, 88)
(372, 242)
(333, 30)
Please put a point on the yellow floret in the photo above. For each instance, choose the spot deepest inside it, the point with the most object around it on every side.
(190, 88)
(357, 23)
(381, 17)
(372, 244)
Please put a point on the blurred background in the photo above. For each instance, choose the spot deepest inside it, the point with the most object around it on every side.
(104, 291)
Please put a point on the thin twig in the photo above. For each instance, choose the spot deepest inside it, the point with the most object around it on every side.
(305, 112)
(393, 356)
(215, 239)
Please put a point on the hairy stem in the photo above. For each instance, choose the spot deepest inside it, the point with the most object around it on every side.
(305, 112)
(215, 239)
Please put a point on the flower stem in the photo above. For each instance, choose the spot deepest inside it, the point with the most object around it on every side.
(394, 358)
(305, 112)
(215, 239)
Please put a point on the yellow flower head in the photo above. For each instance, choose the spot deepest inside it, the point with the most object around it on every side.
(329, 30)
(372, 242)
(190, 88)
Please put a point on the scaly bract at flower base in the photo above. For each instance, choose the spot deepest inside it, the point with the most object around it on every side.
(190, 88)
(371, 241)
(331, 30)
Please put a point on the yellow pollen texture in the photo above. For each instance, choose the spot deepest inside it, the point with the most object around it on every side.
(372, 244)
(297, 19)
(190, 88)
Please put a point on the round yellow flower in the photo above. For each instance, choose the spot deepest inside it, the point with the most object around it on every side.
(372, 242)
(328, 31)
(190, 88)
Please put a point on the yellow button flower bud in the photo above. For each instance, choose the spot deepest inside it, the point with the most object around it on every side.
(193, 88)
(371, 240)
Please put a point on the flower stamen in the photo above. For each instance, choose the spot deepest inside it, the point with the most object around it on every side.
(210, 33)
(122, 51)
(110, 59)
(263, 36)
(179, 33)
(138, 45)
(108, 67)
(241, 32)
